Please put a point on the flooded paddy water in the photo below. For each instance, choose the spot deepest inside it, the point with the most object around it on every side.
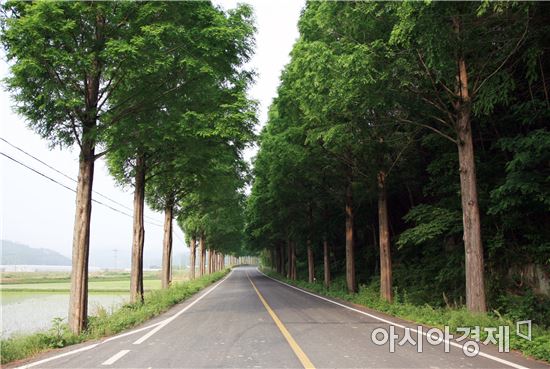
(29, 301)
(28, 312)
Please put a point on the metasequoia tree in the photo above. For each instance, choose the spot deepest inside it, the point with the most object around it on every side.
(69, 60)
(462, 53)
(140, 148)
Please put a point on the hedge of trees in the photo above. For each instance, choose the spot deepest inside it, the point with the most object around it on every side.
(409, 147)
(159, 90)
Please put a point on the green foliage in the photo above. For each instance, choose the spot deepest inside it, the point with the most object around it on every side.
(372, 87)
(431, 223)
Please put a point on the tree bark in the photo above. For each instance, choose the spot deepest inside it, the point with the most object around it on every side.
(474, 264)
(475, 282)
(326, 262)
(214, 261)
(136, 273)
(310, 263)
(281, 258)
(277, 258)
(350, 261)
(385, 252)
(78, 301)
(167, 247)
(210, 261)
(193, 257)
(310, 259)
(202, 251)
(294, 271)
(289, 271)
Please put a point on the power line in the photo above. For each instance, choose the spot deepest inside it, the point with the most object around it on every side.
(68, 188)
(179, 238)
(69, 177)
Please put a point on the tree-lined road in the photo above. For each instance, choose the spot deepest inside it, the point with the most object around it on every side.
(251, 321)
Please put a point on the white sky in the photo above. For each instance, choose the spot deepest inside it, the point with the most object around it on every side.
(39, 213)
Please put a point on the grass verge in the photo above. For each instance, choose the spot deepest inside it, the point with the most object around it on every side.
(538, 347)
(104, 324)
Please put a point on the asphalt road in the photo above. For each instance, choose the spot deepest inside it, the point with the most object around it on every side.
(251, 321)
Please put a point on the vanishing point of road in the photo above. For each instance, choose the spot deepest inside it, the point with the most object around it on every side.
(249, 320)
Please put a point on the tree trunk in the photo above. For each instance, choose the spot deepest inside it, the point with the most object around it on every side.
(193, 256)
(310, 263)
(202, 251)
(326, 262)
(78, 304)
(294, 271)
(475, 283)
(167, 247)
(350, 261)
(474, 265)
(282, 258)
(214, 261)
(78, 299)
(136, 273)
(289, 271)
(385, 252)
(310, 259)
(277, 258)
(209, 261)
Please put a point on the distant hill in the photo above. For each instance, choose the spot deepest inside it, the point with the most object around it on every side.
(13, 253)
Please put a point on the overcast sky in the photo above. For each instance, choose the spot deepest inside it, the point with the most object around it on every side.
(39, 213)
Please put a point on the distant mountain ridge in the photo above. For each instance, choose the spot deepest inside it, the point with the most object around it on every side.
(13, 253)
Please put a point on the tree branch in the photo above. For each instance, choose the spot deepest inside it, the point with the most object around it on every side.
(430, 128)
(520, 41)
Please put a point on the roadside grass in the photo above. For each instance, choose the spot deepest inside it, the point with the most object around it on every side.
(538, 347)
(104, 323)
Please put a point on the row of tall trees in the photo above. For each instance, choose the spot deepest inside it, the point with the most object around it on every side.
(156, 88)
(408, 145)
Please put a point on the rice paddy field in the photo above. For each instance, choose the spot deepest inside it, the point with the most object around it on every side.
(22, 292)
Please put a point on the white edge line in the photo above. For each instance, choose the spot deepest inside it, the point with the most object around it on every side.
(76, 351)
(85, 348)
(59, 356)
(115, 357)
(131, 332)
(452, 343)
(169, 320)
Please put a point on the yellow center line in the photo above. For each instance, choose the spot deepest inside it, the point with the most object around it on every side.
(292, 343)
